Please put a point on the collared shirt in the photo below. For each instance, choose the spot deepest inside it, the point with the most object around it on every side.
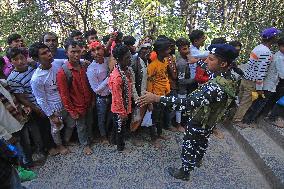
(275, 72)
(19, 83)
(257, 66)
(77, 98)
(44, 88)
(196, 53)
(158, 81)
(98, 77)
(115, 84)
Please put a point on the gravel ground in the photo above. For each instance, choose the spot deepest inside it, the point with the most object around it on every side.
(225, 166)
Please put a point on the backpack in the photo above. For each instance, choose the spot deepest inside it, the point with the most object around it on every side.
(68, 75)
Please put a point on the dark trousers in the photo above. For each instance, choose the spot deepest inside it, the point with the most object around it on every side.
(195, 143)
(257, 107)
(278, 110)
(45, 131)
(119, 128)
(157, 118)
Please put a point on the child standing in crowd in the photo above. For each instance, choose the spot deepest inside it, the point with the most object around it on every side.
(208, 104)
(158, 83)
(44, 88)
(255, 73)
(19, 82)
(98, 73)
(120, 85)
(184, 80)
(75, 92)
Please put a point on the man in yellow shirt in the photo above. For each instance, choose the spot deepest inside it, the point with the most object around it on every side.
(158, 83)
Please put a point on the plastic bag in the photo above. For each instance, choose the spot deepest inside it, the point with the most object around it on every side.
(281, 101)
(147, 121)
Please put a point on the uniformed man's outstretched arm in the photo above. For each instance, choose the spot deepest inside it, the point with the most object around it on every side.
(207, 94)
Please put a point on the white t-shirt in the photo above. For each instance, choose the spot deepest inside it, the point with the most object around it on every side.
(45, 90)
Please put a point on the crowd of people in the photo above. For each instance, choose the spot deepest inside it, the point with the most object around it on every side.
(116, 87)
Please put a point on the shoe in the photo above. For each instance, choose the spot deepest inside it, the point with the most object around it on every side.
(199, 164)
(178, 174)
(26, 175)
(279, 123)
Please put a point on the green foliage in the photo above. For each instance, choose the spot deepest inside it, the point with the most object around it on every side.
(234, 19)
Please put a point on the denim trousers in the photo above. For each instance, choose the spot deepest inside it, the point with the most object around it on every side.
(103, 108)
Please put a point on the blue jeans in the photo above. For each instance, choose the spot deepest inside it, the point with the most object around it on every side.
(103, 107)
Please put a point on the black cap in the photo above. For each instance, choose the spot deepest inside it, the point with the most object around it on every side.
(228, 52)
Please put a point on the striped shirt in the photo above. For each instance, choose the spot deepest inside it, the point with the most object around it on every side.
(257, 66)
(19, 83)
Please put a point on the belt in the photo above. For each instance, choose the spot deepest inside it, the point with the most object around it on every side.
(107, 96)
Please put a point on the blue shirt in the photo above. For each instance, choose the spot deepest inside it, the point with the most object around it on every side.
(60, 54)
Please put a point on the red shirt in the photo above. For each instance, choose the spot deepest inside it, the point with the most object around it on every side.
(76, 99)
(201, 75)
(115, 85)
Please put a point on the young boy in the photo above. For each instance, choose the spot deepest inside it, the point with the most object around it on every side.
(75, 92)
(158, 83)
(184, 80)
(44, 88)
(208, 104)
(120, 85)
(19, 82)
(98, 73)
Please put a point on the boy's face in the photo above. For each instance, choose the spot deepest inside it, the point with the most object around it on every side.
(98, 54)
(74, 53)
(20, 62)
(165, 53)
(126, 60)
(132, 49)
(184, 50)
(144, 53)
(92, 38)
(51, 41)
(281, 48)
(17, 43)
(45, 56)
(200, 42)
(214, 64)
(78, 38)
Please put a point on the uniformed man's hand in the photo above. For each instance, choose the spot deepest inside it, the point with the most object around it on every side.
(147, 98)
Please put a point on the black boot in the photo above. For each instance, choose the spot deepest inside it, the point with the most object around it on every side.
(199, 164)
(178, 174)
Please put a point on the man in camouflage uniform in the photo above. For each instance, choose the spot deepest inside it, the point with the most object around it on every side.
(206, 105)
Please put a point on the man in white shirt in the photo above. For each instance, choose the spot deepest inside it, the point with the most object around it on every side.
(197, 38)
(45, 90)
(255, 73)
(97, 74)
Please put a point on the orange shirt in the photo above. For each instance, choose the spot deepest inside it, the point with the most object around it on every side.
(158, 81)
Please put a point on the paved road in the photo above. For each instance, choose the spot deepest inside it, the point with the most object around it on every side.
(225, 166)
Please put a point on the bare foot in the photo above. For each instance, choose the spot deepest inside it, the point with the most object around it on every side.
(156, 144)
(87, 150)
(173, 129)
(180, 129)
(63, 150)
(104, 140)
(53, 152)
(219, 134)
